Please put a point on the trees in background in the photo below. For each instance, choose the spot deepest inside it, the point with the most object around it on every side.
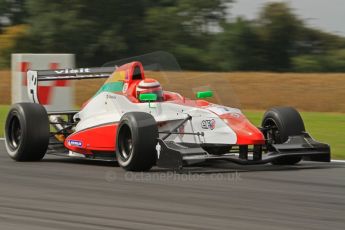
(198, 34)
(277, 27)
(12, 12)
(99, 31)
(183, 28)
(332, 61)
(238, 47)
(8, 42)
(278, 41)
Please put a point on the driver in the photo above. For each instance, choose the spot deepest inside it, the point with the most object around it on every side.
(150, 85)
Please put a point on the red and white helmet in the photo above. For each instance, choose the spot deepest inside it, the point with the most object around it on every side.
(150, 85)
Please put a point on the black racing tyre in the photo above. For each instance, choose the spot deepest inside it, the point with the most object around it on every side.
(27, 132)
(136, 141)
(283, 122)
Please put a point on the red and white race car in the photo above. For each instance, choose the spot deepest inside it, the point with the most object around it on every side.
(133, 121)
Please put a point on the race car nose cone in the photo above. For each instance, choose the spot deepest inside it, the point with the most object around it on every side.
(246, 132)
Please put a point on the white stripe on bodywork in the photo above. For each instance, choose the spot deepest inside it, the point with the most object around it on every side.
(108, 107)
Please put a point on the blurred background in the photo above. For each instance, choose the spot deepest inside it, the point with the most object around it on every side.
(218, 35)
(267, 53)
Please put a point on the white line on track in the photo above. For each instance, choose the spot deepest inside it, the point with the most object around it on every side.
(337, 161)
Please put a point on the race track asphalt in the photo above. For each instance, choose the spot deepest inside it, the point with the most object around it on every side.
(63, 193)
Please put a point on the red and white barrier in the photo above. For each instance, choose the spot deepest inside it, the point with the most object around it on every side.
(54, 95)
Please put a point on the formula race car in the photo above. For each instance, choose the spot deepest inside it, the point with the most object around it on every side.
(131, 120)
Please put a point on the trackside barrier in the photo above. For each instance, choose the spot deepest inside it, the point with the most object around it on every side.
(54, 95)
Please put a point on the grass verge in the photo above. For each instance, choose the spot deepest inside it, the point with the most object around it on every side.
(324, 127)
(3, 113)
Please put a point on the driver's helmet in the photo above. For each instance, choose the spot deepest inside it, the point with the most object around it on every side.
(150, 85)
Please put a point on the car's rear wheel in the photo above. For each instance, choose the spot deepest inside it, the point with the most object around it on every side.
(136, 141)
(282, 122)
(27, 132)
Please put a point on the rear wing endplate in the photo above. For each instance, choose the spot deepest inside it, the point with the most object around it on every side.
(35, 76)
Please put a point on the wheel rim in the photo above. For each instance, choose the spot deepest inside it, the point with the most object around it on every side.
(273, 134)
(15, 133)
(126, 143)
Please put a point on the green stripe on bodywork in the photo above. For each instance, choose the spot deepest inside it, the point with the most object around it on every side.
(111, 87)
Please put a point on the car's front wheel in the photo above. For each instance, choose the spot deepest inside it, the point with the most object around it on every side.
(282, 122)
(136, 141)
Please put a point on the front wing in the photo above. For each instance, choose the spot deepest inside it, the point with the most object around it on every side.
(176, 155)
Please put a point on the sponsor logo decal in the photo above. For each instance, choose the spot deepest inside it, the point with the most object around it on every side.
(110, 96)
(125, 87)
(208, 124)
(158, 149)
(75, 143)
(181, 131)
(66, 71)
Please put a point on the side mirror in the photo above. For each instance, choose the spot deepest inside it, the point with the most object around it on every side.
(204, 94)
(147, 97)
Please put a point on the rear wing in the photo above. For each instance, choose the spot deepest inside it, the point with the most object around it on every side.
(35, 76)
